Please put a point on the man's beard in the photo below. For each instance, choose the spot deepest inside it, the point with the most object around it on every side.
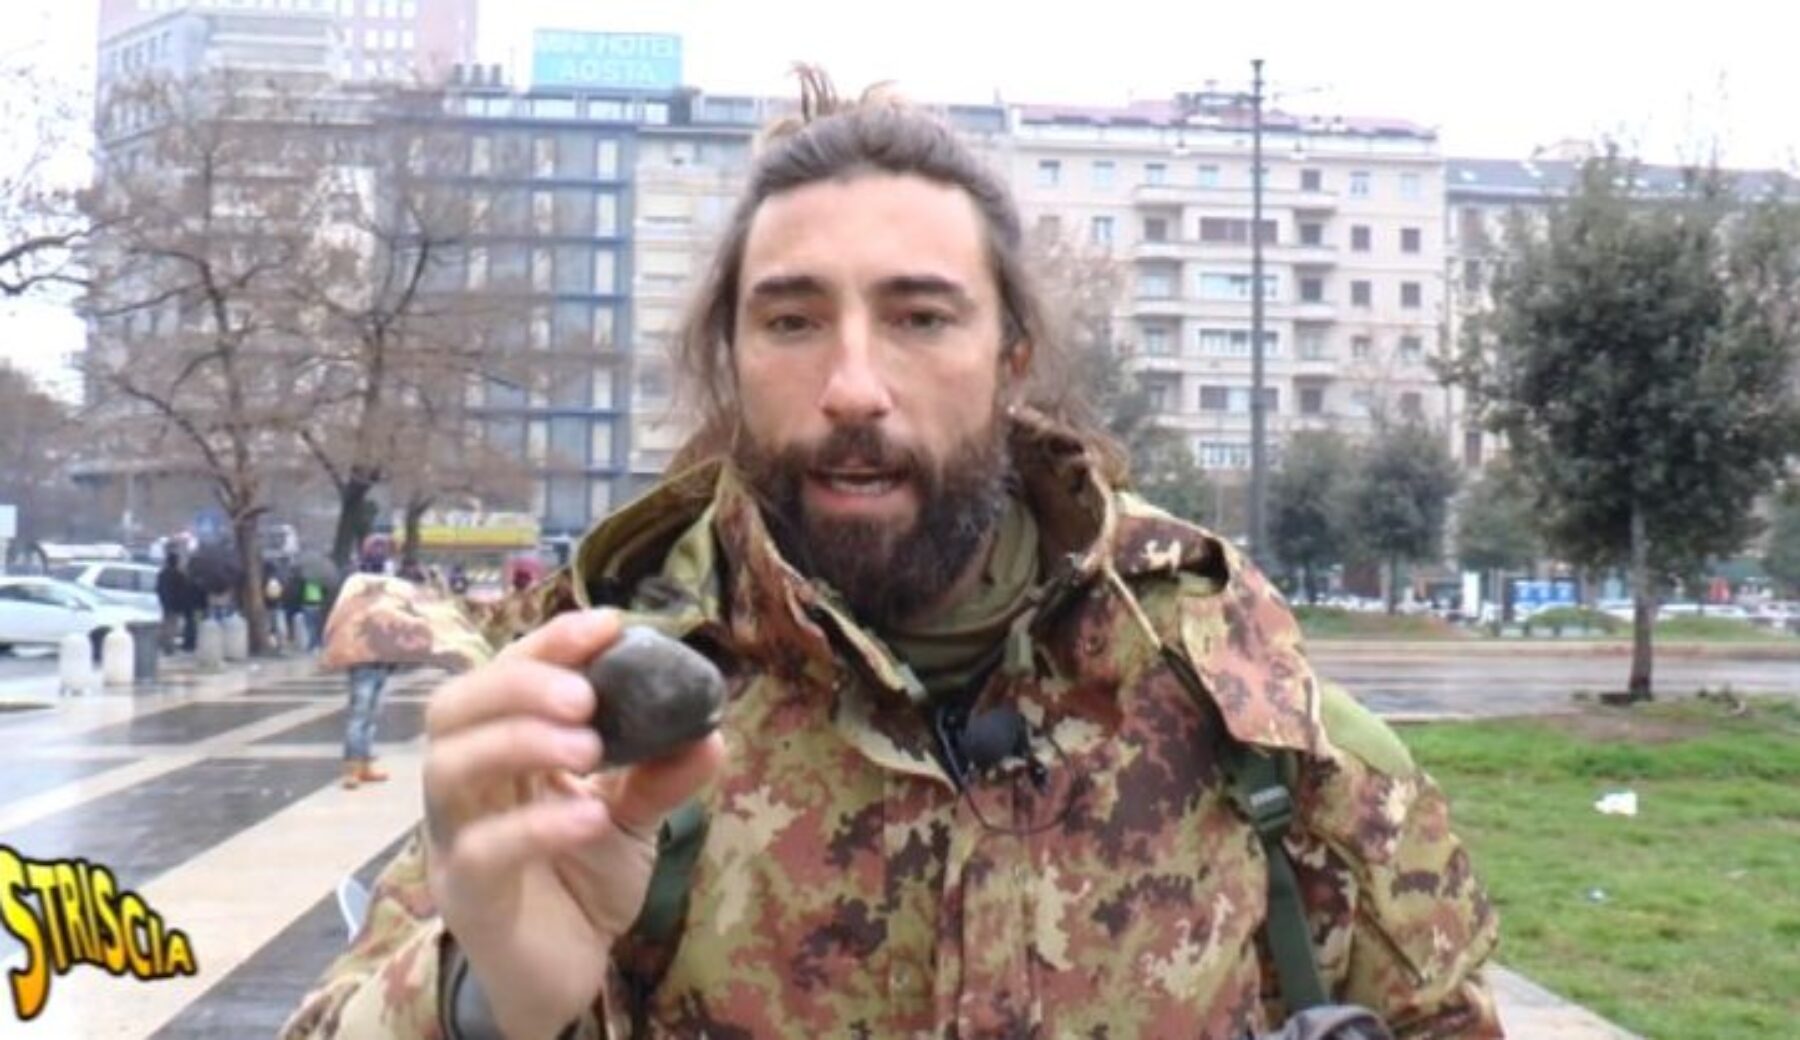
(884, 572)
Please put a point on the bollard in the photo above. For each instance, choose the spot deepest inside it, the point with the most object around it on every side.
(237, 638)
(209, 646)
(75, 663)
(117, 657)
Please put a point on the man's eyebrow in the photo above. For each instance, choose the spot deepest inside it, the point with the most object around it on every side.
(784, 286)
(926, 285)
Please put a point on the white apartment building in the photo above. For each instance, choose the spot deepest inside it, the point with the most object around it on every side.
(1353, 239)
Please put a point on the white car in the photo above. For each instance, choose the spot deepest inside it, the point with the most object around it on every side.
(128, 584)
(40, 611)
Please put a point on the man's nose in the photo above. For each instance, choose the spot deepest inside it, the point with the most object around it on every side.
(855, 389)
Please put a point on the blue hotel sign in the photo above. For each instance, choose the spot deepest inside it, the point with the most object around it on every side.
(615, 61)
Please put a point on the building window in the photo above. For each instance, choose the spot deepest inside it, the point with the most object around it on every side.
(1361, 348)
(1359, 184)
(1472, 448)
(1412, 350)
(600, 441)
(1223, 455)
(1100, 231)
(604, 321)
(1103, 174)
(478, 268)
(1471, 276)
(1359, 238)
(543, 212)
(1156, 229)
(481, 156)
(1156, 341)
(605, 277)
(1411, 188)
(1312, 290)
(1312, 234)
(1049, 226)
(1233, 231)
(1207, 177)
(1214, 398)
(1049, 173)
(1410, 240)
(1312, 400)
(1233, 286)
(1412, 405)
(1161, 394)
(1156, 283)
(1471, 230)
(542, 269)
(1310, 343)
(606, 157)
(1411, 295)
(606, 213)
(1360, 293)
(1235, 343)
(1156, 173)
(1312, 180)
(543, 157)
(540, 329)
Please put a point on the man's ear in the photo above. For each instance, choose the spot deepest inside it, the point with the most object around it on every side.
(1017, 359)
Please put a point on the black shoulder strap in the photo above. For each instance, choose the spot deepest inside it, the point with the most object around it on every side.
(1260, 787)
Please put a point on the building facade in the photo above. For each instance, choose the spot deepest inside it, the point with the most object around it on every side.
(1352, 234)
(367, 40)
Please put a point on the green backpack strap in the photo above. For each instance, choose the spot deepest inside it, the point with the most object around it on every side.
(1262, 789)
(677, 848)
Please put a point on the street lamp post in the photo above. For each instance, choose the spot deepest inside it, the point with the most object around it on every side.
(1258, 523)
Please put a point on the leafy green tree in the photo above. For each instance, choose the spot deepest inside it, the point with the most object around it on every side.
(1309, 508)
(1401, 497)
(1496, 523)
(1639, 362)
(1782, 560)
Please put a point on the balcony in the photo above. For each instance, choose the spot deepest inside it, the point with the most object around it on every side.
(1309, 310)
(1321, 255)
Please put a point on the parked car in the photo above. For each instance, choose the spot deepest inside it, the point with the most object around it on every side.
(128, 584)
(40, 611)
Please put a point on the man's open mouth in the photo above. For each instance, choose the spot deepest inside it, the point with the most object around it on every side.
(868, 482)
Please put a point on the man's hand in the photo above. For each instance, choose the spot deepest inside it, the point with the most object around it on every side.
(536, 866)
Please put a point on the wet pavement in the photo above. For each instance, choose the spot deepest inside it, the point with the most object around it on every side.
(215, 799)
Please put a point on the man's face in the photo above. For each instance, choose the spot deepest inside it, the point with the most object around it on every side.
(868, 361)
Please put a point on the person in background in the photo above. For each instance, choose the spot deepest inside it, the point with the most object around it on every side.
(176, 601)
(367, 682)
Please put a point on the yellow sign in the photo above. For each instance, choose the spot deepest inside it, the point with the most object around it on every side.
(69, 912)
(471, 530)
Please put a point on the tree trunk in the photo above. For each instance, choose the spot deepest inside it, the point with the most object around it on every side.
(415, 513)
(1307, 580)
(250, 589)
(353, 497)
(1393, 585)
(1643, 612)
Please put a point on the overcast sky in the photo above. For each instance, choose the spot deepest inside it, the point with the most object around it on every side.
(1494, 79)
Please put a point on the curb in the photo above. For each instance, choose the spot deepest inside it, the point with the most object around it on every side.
(1480, 647)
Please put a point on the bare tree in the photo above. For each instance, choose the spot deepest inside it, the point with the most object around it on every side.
(41, 224)
(35, 434)
(210, 199)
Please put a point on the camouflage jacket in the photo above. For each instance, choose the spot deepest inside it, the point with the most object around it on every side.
(846, 887)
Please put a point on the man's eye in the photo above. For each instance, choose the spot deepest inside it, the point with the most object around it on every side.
(788, 324)
(925, 321)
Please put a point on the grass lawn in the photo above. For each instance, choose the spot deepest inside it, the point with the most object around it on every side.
(1337, 623)
(1682, 922)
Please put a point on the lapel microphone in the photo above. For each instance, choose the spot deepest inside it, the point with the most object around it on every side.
(994, 736)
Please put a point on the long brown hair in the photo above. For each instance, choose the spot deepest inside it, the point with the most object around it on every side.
(831, 138)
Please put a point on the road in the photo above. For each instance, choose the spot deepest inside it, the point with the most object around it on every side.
(1526, 683)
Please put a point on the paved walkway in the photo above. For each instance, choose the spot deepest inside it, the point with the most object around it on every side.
(215, 799)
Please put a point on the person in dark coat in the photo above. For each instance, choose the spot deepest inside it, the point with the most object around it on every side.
(175, 595)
